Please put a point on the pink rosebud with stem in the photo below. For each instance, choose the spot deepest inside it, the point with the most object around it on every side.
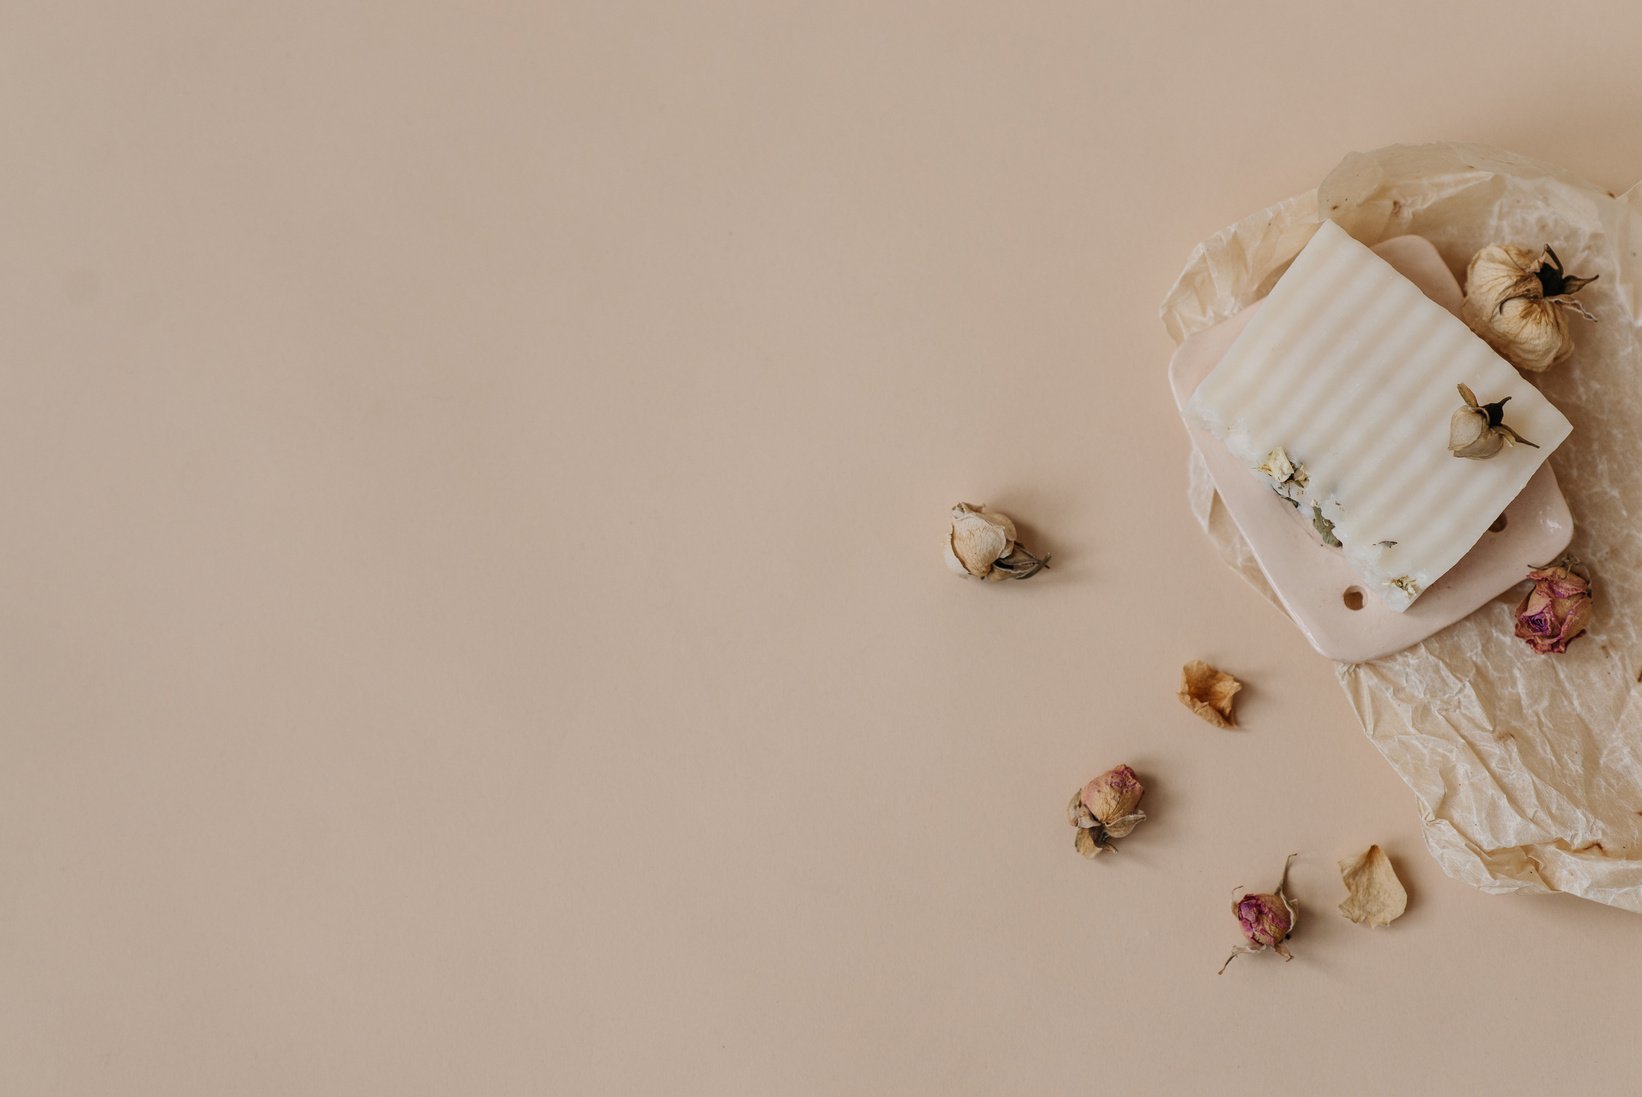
(1267, 920)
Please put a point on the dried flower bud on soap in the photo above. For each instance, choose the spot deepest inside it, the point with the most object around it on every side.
(1478, 431)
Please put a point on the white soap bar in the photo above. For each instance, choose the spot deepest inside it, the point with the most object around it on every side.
(1352, 371)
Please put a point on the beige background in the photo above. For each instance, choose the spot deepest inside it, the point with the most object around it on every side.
(473, 477)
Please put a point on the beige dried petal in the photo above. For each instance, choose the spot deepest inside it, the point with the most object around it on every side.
(1374, 895)
(1469, 436)
(1209, 692)
(1123, 825)
(978, 539)
(1277, 465)
(1287, 478)
(1087, 845)
(1077, 814)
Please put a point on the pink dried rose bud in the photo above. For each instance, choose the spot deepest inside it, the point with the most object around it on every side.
(1107, 807)
(1113, 794)
(1267, 920)
(1558, 609)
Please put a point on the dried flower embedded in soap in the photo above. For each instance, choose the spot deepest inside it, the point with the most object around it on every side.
(1374, 895)
(1558, 609)
(982, 544)
(1209, 692)
(1518, 302)
(1323, 526)
(1287, 478)
(1405, 583)
(1107, 807)
(1478, 431)
(1267, 920)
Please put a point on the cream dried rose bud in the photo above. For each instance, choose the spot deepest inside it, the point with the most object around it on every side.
(1519, 301)
(982, 544)
(1478, 431)
(1267, 920)
(1107, 807)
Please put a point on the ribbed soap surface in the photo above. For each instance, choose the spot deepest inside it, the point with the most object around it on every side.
(1353, 371)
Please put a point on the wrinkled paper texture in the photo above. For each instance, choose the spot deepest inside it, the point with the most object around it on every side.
(1527, 767)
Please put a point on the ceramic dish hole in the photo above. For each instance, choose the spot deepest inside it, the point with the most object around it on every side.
(1353, 598)
(1499, 524)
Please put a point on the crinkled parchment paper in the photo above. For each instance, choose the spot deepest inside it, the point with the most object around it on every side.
(1528, 768)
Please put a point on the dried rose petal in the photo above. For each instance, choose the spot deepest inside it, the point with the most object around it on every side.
(1209, 692)
(1374, 895)
(1090, 846)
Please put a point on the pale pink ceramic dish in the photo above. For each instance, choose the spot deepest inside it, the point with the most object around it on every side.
(1314, 583)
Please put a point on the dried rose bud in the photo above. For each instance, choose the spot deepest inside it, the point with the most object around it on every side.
(1107, 807)
(1478, 431)
(1267, 919)
(982, 544)
(1113, 794)
(1518, 302)
(1558, 609)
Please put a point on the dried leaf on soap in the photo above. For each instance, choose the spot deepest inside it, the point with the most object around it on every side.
(1209, 692)
(1323, 526)
(1374, 895)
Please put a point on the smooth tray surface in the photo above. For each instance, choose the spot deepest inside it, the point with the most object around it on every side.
(1313, 581)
